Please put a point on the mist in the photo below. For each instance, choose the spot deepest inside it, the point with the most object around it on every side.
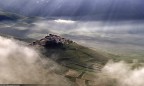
(120, 74)
(24, 65)
(114, 27)
(20, 64)
(115, 36)
(119, 36)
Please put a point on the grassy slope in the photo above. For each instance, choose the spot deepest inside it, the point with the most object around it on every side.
(76, 57)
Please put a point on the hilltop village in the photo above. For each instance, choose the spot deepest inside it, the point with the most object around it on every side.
(52, 40)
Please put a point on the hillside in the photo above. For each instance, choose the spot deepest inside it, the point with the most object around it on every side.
(69, 53)
(80, 61)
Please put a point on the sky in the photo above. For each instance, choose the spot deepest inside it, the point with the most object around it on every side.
(78, 9)
(104, 23)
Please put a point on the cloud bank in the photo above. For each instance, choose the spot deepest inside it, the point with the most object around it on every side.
(117, 35)
(20, 64)
(120, 74)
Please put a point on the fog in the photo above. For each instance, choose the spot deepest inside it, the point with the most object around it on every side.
(120, 74)
(21, 64)
(119, 36)
(114, 26)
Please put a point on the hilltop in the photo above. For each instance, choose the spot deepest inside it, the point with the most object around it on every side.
(52, 41)
(69, 52)
(80, 61)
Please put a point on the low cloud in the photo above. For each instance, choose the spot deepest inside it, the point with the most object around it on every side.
(64, 21)
(113, 35)
(20, 64)
(120, 74)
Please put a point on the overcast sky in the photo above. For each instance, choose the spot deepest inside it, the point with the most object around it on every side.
(87, 9)
(127, 26)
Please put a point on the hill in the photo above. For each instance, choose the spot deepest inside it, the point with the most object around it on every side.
(69, 53)
(80, 61)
